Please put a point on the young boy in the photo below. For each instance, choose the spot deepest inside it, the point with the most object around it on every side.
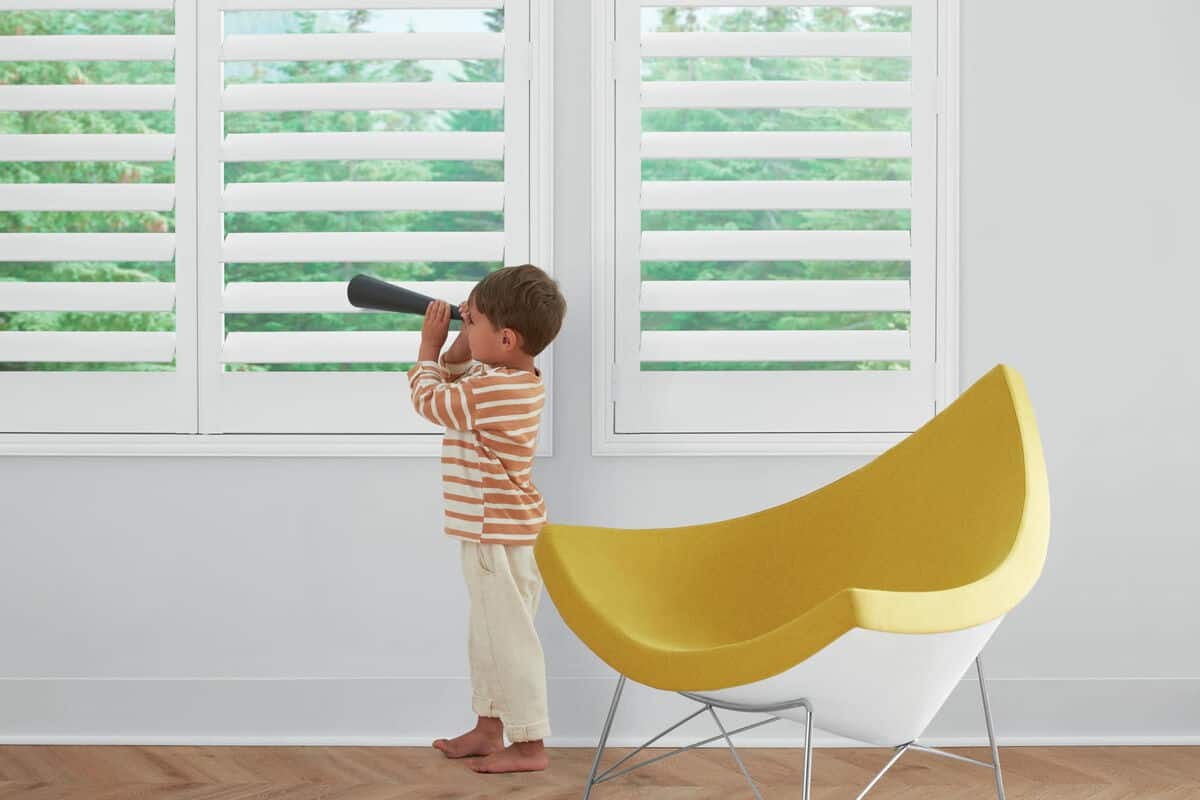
(489, 396)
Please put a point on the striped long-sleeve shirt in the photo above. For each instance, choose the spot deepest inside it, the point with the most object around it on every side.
(491, 415)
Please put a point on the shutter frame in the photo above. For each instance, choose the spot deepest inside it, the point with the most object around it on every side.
(679, 432)
(59, 401)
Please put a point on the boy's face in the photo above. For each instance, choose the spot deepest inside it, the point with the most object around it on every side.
(488, 344)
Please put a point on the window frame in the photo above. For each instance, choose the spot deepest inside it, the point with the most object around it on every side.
(605, 384)
(540, 158)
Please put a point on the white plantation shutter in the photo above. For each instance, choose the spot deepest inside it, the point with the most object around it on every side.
(725, 376)
(265, 381)
(114, 378)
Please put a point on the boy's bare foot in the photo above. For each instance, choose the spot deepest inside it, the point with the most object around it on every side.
(517, 757)
(486, 738)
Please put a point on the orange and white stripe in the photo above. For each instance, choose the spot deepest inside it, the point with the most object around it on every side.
(491, 416)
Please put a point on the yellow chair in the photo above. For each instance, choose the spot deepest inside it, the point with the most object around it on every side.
(859, 606)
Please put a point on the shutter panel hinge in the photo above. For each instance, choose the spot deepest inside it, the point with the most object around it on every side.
(614, 63)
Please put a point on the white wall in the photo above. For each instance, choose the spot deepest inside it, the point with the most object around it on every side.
(315, 600)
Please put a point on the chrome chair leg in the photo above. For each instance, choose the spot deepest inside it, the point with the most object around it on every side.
(901, 750)
(808, 748)
(993, 765)
(987, 716)
(736, 757)
(612, 712)
(594, 779)
(708, 705)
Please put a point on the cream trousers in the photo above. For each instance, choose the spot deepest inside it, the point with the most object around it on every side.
(508, 669)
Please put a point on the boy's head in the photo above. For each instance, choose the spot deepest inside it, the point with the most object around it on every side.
(513, 311)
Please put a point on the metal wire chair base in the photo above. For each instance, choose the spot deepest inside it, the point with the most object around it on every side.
(710, 706)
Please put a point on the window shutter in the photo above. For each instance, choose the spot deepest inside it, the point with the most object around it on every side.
(96, 216)
(774, 216)
(386, 138)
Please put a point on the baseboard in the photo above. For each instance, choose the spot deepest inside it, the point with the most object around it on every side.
(402, 712)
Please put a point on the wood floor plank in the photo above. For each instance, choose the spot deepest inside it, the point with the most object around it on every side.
(52, 772)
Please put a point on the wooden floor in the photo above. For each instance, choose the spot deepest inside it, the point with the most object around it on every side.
(36, 772)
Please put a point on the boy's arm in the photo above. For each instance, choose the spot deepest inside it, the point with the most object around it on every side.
(433, 390)
(437, 391)
(457, 361)
(435, 397)
(429, 378)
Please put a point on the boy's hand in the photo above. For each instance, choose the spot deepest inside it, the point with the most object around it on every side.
(434, 330)
(460, 351)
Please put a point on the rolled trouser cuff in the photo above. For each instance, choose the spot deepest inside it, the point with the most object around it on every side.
(532, 732)
(484, 706)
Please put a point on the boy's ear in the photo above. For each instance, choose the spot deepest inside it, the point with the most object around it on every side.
(509, 336)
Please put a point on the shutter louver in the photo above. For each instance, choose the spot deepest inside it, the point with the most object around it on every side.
(775, 213)
(390, 138)
(97, 216)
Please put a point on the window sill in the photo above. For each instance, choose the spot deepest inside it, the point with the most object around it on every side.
(227, 445)
(744, 444)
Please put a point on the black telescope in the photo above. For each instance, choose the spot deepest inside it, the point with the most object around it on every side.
(364, 291)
